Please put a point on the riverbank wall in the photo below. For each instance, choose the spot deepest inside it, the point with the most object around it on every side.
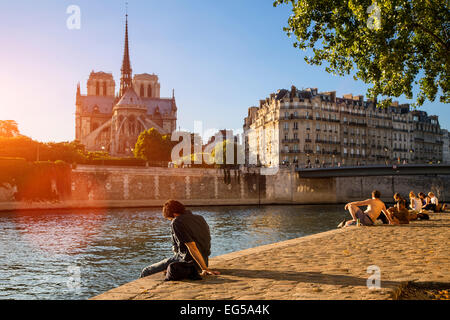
(118, 187)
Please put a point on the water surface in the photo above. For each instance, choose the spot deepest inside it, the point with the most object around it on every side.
(78, 254)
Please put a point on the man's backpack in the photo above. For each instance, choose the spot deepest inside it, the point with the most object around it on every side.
(177, 271)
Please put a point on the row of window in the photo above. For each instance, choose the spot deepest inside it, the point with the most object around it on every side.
(382, 114)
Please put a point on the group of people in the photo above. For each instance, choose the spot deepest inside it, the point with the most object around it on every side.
(191, 237)
(419, 207)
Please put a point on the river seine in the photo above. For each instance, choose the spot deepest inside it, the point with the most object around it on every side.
(78, 254)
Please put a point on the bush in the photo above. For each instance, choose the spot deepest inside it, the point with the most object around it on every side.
(34, 179)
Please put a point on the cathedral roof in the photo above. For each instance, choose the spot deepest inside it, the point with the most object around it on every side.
(164, 105)
(130, 98)
(106, 104)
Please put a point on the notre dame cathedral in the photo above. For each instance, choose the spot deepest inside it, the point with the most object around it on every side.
(108, 122)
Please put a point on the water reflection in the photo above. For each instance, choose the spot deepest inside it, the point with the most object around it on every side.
(112, 246)
(58, 232)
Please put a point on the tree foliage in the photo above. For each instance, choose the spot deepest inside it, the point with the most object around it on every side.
(394, 45)
(36, 181)
(9, 128)
(220, 156)
(152, 146)
(31, 150)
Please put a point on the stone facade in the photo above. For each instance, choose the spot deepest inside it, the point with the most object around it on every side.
(446, 146)
(153, 186)
(216, 186)
(103, 187)
(308, 128)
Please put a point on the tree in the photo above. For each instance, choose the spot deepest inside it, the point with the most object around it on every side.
(394, 45)
(9, 128)
(71, 152)
(220, 156)
(31, 150)
(19, 147)
(152, 146)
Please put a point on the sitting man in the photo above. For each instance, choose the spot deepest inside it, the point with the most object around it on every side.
(190, 237)
(374, 208)
(382, 217)
(401, 214)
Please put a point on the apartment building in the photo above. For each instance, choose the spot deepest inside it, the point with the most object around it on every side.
(317, 129)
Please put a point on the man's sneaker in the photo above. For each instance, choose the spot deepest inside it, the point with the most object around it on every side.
(342, 224)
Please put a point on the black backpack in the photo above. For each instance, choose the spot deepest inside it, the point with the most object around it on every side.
(177, 271)
(423, 216)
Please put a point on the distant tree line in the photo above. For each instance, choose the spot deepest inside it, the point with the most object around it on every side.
(153, 147)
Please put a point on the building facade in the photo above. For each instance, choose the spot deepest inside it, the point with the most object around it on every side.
(445, 146)
(307, 128)
(108, 122)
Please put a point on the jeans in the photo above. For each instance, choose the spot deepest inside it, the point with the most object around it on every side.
(160, 266)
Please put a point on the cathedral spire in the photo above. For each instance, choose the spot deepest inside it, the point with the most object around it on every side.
(78, 99)
(125, 79)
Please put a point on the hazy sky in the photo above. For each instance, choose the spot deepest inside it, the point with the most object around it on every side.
(221, 57)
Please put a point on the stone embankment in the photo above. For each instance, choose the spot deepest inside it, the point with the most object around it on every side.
(329, 265)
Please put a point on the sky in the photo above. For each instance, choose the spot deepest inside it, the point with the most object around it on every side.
(221, 57)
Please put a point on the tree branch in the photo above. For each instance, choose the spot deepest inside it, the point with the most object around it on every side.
(428, 31)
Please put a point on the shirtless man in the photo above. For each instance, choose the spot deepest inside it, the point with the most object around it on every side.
(401, 214)
(374, 208)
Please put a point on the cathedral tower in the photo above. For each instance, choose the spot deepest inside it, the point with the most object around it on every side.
(112, 123)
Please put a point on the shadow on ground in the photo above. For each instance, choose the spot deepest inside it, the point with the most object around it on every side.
(305, 277)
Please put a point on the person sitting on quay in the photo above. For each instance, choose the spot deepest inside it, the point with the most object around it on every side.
(434, 204)
(431, 202)
(382, 217)
(401, 214)
(415, 206)
(191, 240)
(374, 208)
(425, 200)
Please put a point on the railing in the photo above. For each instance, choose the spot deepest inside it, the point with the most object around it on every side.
(374, 170)
(290, 140)
(296, 107)
(327, 141)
